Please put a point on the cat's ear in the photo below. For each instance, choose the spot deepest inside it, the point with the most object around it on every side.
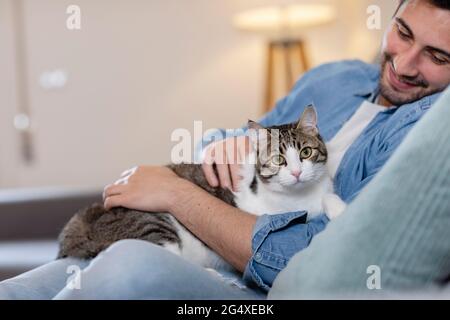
(253, 125)
(308, 120)
(257, 137)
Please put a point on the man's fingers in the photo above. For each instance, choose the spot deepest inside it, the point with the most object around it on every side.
(113, 190)
(210, 175)
(245, 150)
(208, 169)
(224, 175)
(236, 158)
(225, 154)
(235, 170)
(113, 201)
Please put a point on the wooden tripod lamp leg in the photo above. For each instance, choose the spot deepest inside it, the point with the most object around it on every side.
(303, 57)
(289, 56)
(270, 77)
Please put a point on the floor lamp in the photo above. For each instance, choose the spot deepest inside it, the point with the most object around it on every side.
(283, 27)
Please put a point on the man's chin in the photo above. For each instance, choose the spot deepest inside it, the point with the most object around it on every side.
(398, 98)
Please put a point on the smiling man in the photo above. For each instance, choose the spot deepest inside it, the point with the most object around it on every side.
(416, 53)
(364, 113)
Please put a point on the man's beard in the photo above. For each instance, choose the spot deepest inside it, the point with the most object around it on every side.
(398, 98)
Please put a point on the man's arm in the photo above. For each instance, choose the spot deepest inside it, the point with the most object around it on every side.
(225, 229)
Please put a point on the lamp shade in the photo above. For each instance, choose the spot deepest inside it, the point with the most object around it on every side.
(284, 19)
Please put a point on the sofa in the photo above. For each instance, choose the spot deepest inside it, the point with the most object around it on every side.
(30, 221)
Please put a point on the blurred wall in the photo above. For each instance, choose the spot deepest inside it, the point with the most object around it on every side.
(137, 70)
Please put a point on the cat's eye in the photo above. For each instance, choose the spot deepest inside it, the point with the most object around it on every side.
(306, 153)
(278, 160)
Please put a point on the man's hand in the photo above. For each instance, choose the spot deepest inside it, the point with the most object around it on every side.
(225, 229)
(227, 155)
(145, 188)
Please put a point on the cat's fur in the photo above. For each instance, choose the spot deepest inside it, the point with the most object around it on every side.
(266, 188)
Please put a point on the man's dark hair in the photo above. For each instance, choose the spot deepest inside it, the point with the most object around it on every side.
(443, 4)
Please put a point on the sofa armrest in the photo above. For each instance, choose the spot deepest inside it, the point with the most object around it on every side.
(40, 213)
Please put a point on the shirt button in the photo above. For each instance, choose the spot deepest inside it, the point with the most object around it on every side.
(258, 256)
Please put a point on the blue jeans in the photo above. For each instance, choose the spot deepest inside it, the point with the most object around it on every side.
(128, 269)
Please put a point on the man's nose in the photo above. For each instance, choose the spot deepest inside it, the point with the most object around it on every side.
(406, 63)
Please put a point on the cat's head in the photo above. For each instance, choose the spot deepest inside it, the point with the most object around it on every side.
(290, 156)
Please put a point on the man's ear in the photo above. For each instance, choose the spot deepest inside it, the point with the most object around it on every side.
(308, 120)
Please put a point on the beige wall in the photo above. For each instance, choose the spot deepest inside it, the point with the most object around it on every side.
(137, 70)
(9, 157)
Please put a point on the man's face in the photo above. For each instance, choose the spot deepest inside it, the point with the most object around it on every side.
(416, 53)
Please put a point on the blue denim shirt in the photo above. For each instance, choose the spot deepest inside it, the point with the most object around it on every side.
(337, 90)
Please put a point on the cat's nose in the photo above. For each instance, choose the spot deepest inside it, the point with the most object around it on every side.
(296, 173)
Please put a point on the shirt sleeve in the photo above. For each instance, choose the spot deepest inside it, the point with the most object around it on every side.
(276, 238)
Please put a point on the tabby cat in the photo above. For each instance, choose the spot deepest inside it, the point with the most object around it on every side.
(289, 177)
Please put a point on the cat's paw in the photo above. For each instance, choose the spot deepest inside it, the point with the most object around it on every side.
(333, 205)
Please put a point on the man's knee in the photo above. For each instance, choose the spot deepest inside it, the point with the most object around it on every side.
(133, 253)
(130, 246)
(135, 264)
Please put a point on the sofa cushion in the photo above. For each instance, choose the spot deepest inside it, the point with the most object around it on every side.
(30, 221)
(20, 256)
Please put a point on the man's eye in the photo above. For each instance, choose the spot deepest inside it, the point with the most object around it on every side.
(403, 33)
(306, 153)
(438, 60)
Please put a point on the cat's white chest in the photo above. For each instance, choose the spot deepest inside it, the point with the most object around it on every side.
(265, 201)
